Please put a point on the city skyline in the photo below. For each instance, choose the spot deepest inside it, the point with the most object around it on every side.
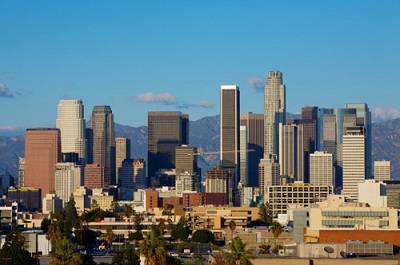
(137, 57)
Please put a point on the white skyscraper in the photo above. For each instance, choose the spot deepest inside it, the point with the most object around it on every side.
(321, 169)
(274, 112)
(353, 160)
(67, 180)
(71, 122)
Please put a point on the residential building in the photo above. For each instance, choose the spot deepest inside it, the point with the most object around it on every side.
(269, 174)
(51, 203)
(8, 216)
(67, 180)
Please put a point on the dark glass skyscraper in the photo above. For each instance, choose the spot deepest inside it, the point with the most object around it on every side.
(166, 131)
(102, 124)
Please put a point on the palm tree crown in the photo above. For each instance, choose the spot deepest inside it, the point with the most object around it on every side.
(238, 254)
(153, 250)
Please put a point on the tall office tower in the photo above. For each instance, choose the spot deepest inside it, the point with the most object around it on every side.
(122, 152)
(68, 179)
(255, 144)
(364, 119)
(42, 153)
(89, 146)
(353, 160)
(21, 172)
(229, 130)
(186, 159)
(382, 170)
(71, 122)
(243, 175)
(291, 154)
(139, 173)
(321, 169)
(269, 174)
(166, 131)
(309, 121)
(94, 176)
(102, 123)
(334, 122)
(274, 112)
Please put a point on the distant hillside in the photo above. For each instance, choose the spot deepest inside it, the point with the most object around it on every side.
(204, 134)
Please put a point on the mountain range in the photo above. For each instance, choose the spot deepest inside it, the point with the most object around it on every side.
(204, 134)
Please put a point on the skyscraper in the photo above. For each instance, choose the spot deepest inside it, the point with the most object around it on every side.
(353, 160)
(243, 174)
(291, 154)
(334, 122)
(229, 129)
(274, 112)
(102, 123)
(255, 144)
(42, 153)
(321, 169)
(71, 122)
(122, 152)
(67, 180)
(166, 131)
(364, 119)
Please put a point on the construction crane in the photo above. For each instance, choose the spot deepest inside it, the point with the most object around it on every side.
(201, 153)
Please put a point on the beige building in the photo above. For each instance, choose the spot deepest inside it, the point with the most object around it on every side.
(68, 179)
(122, 152)
(279, 197)
(51, 203)
(382, 170)
(268, 174)
(321, 169)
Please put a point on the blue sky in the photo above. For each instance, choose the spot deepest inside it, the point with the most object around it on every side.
(138, 56)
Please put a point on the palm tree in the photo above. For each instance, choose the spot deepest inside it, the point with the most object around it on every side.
(276, 230)
(153, 250)
(232, 227)
(238, 254)
(128, 211)
(64, 254)
(108, 236)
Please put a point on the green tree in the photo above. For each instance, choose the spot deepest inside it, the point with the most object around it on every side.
(128, 211)
(126, 257)
(232, 227)
(238, 254)
(264, 249)
(136, 236)
(153, 250)
(64, 254)
(276, 229)
(184, 245)
(265, 213)
(137, 222)
(94, 204)
(13, 252)
(44, 225)
(202, 236)
(179, 233)
(108, 236)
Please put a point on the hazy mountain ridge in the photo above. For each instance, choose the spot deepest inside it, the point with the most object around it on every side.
(204, 134)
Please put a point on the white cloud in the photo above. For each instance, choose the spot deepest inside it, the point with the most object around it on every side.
(150, 97)
(205, 104)
(256, 83)
(385, 113)
(10, 128)
(5, 92)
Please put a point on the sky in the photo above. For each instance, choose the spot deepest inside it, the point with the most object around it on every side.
(138, 56)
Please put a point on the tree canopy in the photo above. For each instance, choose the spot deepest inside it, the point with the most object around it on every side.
(202, 236)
